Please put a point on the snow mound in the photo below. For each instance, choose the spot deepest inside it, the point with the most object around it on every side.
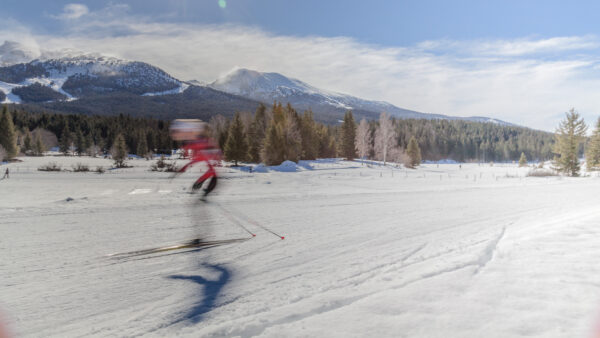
(442, 161)
(261, 168)
(286, 166)
(305, 164)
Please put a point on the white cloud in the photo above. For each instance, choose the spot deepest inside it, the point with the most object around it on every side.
(526, 81)
(515, 47)
(73, 11)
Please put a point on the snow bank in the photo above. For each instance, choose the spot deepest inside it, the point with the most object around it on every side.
(261, 168)
(286, 166)
(305, 164)
(442, 161)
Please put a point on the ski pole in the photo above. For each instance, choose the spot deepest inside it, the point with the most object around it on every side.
(234, 221)
(249, 220)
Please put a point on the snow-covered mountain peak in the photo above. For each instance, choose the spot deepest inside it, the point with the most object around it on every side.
(269, 87)
(242, 81)
(78, 74)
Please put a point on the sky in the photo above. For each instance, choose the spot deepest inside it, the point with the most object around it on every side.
(526, 62)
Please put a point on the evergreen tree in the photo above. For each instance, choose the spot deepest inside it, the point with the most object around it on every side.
(39, 145)
(292, 141)
(142, 145)
(523, 160)
(65, 140)
(256, 134)
(236, 147)
(414, 153)
(272, 151)
(308, 134)
(119, 151)
(8, 137)
(88, 144)
(569, 135)
(283, 141)
(348, 137)
(27, 143)
(592, 154)
(79, 142)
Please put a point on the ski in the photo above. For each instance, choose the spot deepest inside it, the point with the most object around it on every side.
(194, 243)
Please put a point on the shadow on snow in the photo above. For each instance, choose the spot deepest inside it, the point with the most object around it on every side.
(209, 294)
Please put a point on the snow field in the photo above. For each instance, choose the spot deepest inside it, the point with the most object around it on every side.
(440, 251)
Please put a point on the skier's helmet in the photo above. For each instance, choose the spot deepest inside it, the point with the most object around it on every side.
(186, 129)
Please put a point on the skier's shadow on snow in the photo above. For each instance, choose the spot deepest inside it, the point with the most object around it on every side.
(210, 293)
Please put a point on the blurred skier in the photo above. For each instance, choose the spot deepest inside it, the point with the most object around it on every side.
(199, 148)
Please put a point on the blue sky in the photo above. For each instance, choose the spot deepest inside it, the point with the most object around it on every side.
(388, 23)
(525, 62)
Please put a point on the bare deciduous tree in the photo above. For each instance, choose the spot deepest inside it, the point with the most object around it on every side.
(385, 137)
(363, 139)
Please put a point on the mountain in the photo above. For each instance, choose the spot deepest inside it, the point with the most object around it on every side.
(194, 102)
(270, 87)
(95, 84)
(86, 75)
(73, 82)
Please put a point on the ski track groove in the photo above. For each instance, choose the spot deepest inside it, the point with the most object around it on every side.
(480, 261)
(490, 251)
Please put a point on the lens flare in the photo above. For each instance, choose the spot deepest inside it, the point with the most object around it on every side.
(222, 3)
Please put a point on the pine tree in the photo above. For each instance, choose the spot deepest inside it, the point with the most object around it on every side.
(308, 133)
(272, 151)
(236, 147)
(119, 151)
(569, 135)
(592, 154)
(348, 137)
(79, 142)
(414, 153)
(327, 144)
(523, 160)
(88, 143)
(142, 145)
(292, 140)
(256, 134)
(27, 143)
(8, 137)
(39, 145)
(65, 140)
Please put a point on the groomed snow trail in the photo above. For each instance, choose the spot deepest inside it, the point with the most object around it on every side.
(434, 252)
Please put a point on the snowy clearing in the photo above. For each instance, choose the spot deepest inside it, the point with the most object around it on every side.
(441, 251)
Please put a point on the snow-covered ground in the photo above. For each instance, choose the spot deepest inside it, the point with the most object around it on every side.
(441, 251)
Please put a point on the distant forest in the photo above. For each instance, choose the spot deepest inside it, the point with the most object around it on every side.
(92, 134)
(462, 141)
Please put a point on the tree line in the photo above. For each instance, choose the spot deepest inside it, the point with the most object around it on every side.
(274, 134)
(281, 133)
(34, 133)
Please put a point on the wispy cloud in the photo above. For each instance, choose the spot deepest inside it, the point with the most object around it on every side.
(72, 11)
(527, 81)
(515, 47)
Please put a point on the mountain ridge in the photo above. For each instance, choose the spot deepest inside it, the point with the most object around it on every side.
(270, 86)
(70, 81)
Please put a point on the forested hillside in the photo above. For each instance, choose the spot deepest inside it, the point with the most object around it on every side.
(280, 133)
